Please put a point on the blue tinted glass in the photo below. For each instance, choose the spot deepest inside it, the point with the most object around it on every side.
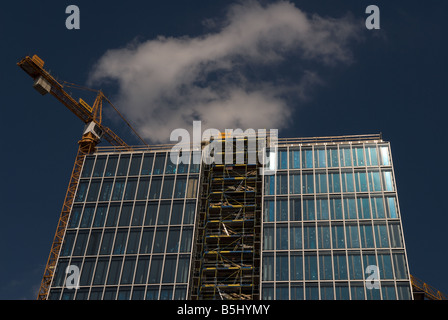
(294, 159)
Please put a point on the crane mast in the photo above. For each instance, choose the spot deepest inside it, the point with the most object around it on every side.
(94, 131)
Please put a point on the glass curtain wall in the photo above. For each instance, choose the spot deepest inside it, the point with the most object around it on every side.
(131, 228)
(329, 212)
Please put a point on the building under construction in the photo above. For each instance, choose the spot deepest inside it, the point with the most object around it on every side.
(320, 222)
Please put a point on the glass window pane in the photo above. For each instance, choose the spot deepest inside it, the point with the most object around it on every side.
(282, 184)
(192, 187)
(87, 216)
(332, 157)
(134, 169)
(268, 237)
(310, 267)
(269, 211)
(355, 266)
(400, 266)
(114, 271)
(87, 167)
(309, 237)
(294, 159)
(347, 182)
(164, 212)
(125, 215)
(123, 165)
(334, 184)
(99, 166)
(151, 213)
(155, 269)
(169, 270)
(139, 212)
(336, 209)
(131, 186)
(159, 163)
(325, 267)
(173, 240)
(281, 267)
(106, 244)
(371, 156)
(340, 266)
(142, 270)
(82, 190)
(338, 239)
(352, 236)
(93, 190)
(321, 183)
(364, 208)
(382, 241)
(182, 269)
(94, 242)
(296, 236)
(100, 271)
(388, 183)
(187, 235)
(296, 268)
(395, 235)
(69, 240)
(133, 242)
(307, 158)
(75, 216)
(168, 185)
(181, 184)
(322, 210)
(128, 270)
(190, 212)
(269, 186)
(147, 164)
(324, 240)
(160, 240)
(350, 208)
(177, 210)
(156, 184)
(117, 194)
(366, 236)
(385, 159)
(282, 210)
(146, 243)
(308, 209)
(307, 183)
(100, 216)
(111, 166)
(268, 267)
(319, 158)
(120, 241)
(282, 237)
(81, 243)
(295, 210)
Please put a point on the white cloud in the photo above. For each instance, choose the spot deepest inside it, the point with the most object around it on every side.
(168, 82)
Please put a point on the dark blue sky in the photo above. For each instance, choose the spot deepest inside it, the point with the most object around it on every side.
(396, 85)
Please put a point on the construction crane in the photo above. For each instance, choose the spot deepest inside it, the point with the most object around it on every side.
(94, 131)
(423, 291)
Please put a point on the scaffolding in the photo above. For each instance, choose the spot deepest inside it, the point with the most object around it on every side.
(227, 255)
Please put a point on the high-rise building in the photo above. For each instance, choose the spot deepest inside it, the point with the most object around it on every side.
(325, 224)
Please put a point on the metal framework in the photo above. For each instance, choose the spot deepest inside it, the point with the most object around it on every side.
(423, 290)
(45, 83)
(227, 257)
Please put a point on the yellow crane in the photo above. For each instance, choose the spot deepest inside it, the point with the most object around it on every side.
(94, 131)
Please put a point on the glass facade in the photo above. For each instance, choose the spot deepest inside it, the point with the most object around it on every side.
(131, 228)
(329, 212)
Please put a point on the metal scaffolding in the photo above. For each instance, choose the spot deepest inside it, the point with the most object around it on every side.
(227, 256)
